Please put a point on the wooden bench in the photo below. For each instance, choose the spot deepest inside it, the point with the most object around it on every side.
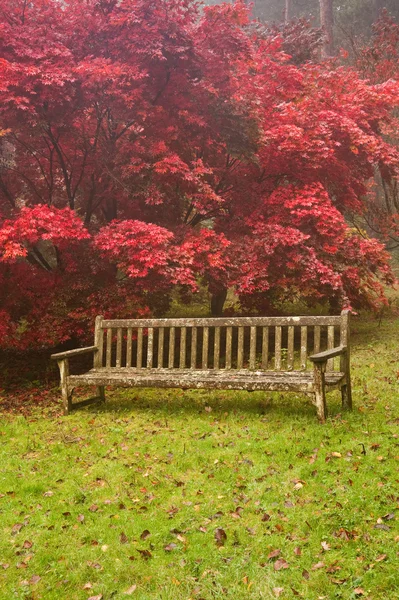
(239, 353)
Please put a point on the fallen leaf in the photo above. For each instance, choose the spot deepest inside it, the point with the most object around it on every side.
(220, 536)
(48, 494)
(359, 591)
(16, 528)
(98, 597)
(277, 591)
(326, 546)
(318, 565)
(93, 508)
(336, 454)
(123, 538)
(132, 589)
(297, 551)
(381, 557)
(145, 534)
(87, 586)
(280, 564)
(273, 554)
(146, 554)
(34, 579)
(27, 544)
(305, 574)
(170, 547)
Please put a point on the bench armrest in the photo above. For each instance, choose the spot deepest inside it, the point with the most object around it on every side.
(76, 352)
(322, 357)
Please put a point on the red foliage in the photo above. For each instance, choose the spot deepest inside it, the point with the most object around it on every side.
(147, 145)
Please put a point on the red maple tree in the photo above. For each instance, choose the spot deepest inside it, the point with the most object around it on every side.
(151, 145)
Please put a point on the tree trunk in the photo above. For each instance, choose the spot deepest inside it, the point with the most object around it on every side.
(217, 302)
(327, 23)
(287, 11)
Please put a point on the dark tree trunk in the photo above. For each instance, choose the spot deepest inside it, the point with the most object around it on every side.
(217, 302)
(327, 23)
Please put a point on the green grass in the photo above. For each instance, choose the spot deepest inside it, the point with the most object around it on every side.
(77, 493)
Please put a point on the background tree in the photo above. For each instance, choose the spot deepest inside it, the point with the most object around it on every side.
(155, 146)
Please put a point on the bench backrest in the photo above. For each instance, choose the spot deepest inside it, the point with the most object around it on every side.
(243, 343)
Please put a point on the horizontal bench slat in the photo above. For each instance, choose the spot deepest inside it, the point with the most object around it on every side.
(222, 322)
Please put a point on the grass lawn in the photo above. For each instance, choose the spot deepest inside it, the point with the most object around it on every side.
(196, 495)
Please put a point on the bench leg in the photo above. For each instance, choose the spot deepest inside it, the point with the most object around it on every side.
(346, 395)
(320, 391)
(101, 393)
(66, 392)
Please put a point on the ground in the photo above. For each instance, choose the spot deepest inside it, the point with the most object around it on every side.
(173, 495)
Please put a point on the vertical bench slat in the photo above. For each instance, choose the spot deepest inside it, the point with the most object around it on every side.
(139, 347)
(161, 335)
(193, 347)
(205, 346)
(252, 348)
(216, 349)
(183, 334)
(277, 349)
(304, 347)
(229, 338)
(119, 347)
(290, 349)
(171, 358)
(316, 343)
(129, 347)
(265, 347)
(99, 342)
(150, 347)
(330, 345)
(240, 348)
(109, 347)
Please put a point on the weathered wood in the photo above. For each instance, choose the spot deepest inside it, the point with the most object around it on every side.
(171, 358)
(76, 352)
(216, 349)
(277, 349)
(161, 336)
(223, 322)
(150, 347)
(240, 348)
(330, 346)
(98, 356)
(265, 347)
(98, 342)
(290, 349)
(194, 347)
(87, 402)
(183, 336)
(205, 347)
(346, 390)
(324, 357)
(252, 348)
(314, 383)
(320, 391)
(139, 358)
(63, 366)
(119, 348)
(304, 347)
(129, 347)
(199, 379)
(229, 339)
(316, 343)
(109, 347)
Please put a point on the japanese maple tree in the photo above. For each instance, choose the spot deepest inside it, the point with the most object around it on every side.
(148, 145)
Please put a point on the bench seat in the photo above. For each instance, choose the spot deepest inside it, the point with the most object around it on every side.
(295, 381)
